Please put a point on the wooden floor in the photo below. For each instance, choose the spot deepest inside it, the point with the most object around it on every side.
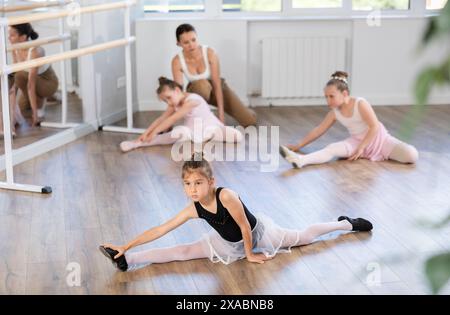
(101, 195)
(27, 135)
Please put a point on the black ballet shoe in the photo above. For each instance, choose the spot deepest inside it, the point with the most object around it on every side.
(120, 263)
(359, 224)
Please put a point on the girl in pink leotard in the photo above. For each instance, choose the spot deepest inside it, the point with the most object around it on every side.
(368, 139)
(200, 124)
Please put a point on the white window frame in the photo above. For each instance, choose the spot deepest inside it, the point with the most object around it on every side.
(173, 15)
(431, 11)
(415, 10)
(213, 10)
(250, 14)
(342, 11)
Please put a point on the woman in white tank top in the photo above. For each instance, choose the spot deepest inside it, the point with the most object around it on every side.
(200, 66)
(368, 139)
(36, 84)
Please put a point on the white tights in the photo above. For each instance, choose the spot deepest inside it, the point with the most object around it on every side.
(182, 133)
(402, 152)
(200, 249)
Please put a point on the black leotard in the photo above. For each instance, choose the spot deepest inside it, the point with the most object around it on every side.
(222, 221)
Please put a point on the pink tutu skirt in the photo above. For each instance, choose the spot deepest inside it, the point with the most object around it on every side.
(267, 238)
(378, 150)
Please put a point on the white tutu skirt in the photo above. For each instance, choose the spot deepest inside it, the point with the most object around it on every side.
(267, 238)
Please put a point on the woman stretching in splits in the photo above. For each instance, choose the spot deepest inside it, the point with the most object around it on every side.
(369, 139)
(194, 110)
(236, 233)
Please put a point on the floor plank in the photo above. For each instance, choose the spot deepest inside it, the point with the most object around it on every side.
(101, 195)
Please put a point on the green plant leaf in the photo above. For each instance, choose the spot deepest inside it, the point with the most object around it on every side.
(427, 79)
(443, 223)
(424, 83)
(411, 121)
(438, 25)
(437, 269)
(430, 31)
(446, 69)
(443, 20)
(439, 75)
(423, 86)
(434, 225)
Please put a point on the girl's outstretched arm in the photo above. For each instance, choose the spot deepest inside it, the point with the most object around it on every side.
(230, 200)
(169, 111)
(157, 232)
(316, 133)
(172, 119)
(369, 116)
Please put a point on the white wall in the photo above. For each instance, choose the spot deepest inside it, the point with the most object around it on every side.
(386, 61)
(102, 99)
(258, 30)
(382, 60)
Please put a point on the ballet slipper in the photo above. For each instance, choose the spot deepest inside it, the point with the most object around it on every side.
(127, 146)
(290, 156)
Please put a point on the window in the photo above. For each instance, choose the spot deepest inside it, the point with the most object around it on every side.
(436, 4)
(174, 5)
(215, 8)
(380, 5)
(252, 5)
(316, 4)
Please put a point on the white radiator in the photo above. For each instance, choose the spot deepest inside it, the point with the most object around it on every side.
(300, 67)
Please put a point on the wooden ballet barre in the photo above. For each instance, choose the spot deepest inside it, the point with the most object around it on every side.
(25, 7)
(39, 42)
(67, 55)
(63, 13)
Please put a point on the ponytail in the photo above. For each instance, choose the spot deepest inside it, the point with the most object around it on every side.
(26, 29)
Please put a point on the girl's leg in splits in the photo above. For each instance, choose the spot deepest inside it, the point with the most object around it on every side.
(332, 151)
(196, 250)
(179, 133)
(223, 134)
(307, 236)
(404, 153)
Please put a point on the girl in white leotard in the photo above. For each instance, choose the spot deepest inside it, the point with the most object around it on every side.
(190, 107)
(368, 139)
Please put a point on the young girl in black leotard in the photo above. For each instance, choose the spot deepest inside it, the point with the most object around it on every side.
(236, 233)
